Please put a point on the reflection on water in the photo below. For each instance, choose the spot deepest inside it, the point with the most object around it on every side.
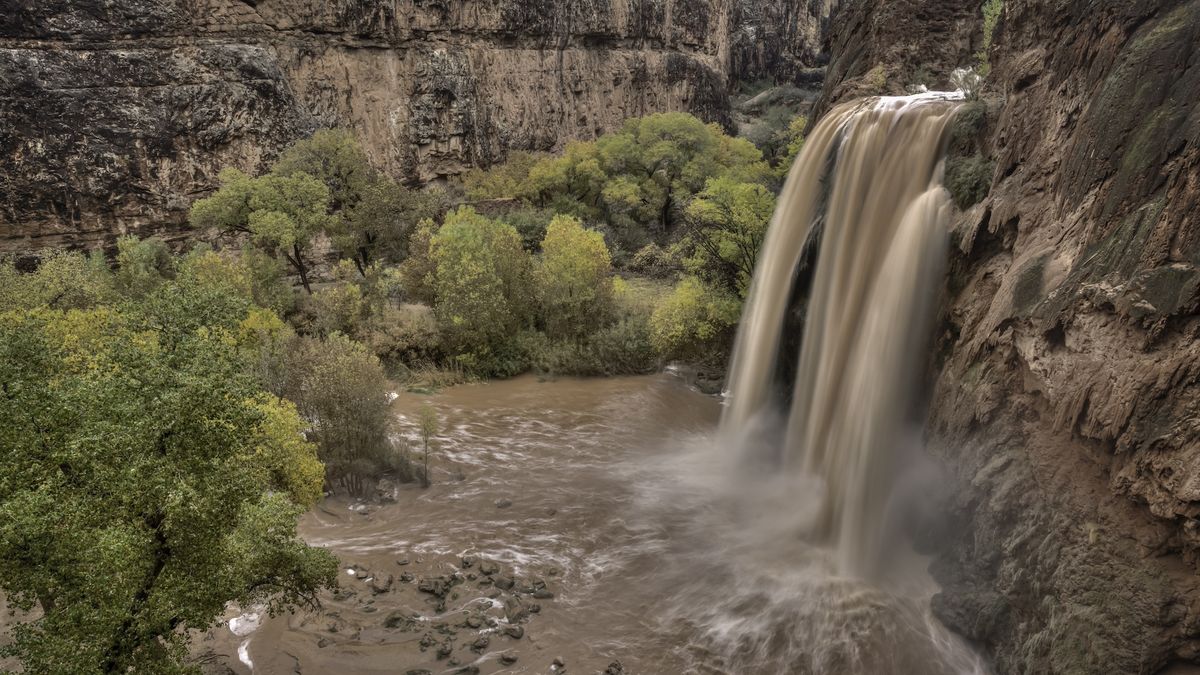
(660, 555)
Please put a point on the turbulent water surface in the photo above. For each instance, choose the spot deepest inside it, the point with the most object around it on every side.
(657, 554)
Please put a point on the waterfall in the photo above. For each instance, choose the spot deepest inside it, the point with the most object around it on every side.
(825, 376)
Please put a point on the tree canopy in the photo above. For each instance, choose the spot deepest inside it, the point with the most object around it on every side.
(481, 283)
(146, 478)
(574, 279)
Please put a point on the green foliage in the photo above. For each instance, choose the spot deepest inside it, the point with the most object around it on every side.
(379, 226)
(145, 479)
(62, 281)
(418, 272)
(428, 423)
(334, 157)
(991, 18)
(654, 261)
(531, 224)
(343, 392)
(482, 283)
(770, 132)
(280, 213)
(406, 335)
(622, 348)
(969, 179)
(573, 279)
(337, 308)
(506, 181)
(791, 140)
(727, 223)
(694, 323)
(969, 122)
(142, 265)
(636, 181)
(267, 279)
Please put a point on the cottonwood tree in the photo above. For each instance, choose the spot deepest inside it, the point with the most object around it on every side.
(280, 213)
(146, 480)
(727, 222)
(334, 157)
(380, 225)
(482, 287)
(574, 279)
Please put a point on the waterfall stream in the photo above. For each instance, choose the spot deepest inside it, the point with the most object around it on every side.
(825, 375)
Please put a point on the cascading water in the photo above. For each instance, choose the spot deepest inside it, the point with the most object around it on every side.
(850, 267)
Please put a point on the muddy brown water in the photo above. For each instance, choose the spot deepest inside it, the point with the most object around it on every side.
(656, 554)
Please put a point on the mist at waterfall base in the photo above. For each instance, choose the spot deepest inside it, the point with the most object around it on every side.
(819, 470)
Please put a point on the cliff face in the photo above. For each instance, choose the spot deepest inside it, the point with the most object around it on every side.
(1066, 399)
(1070, 397)
(117, 114)
(780, 40)
(878, 48)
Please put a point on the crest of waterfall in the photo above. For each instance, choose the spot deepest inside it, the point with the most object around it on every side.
(825, 377)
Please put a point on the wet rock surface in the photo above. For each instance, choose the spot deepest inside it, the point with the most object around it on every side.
(1065, 393)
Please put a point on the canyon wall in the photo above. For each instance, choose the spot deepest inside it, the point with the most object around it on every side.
(118, 114)
(1066, 399)
(780, 40)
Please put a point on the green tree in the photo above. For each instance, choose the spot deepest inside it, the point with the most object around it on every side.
(726, 225)
(336, 158)
(142, 264)
(637, 180)
(62, 280)
(574, 279)
(379, 226)
(791, 142)
(670, 156)
(342, 390)
(482, 287)
(418, 272)
(145, 483)
(509, 180)
(280, 213)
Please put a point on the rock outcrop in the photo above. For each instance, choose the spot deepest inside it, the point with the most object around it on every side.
(780, 40)
(880, 48)
(1066, 397)
(117, 114)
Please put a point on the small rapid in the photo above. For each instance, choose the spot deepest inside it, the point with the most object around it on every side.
(658, 550)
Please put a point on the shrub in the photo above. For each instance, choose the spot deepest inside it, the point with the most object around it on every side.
(653, 261)
(694, 323)
(338, 308)
(482, 285)
(991, 19)
(969, 179)
(342, 391)
(574, 279)
(968, 81)
(405, 335)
